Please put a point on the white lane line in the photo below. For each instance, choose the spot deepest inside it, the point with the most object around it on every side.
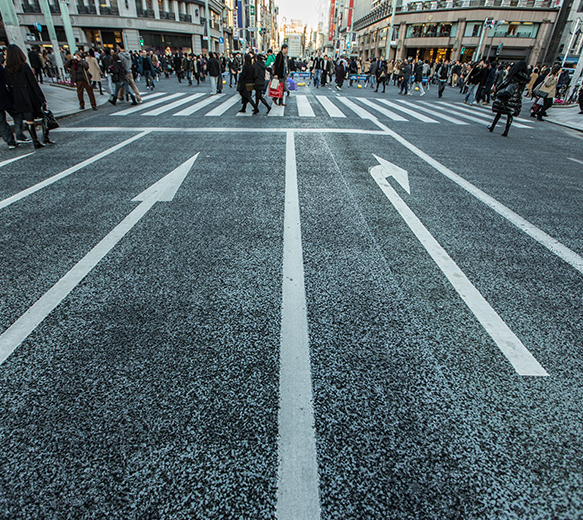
(196, 107)
(331, 108)
(363, 114)
(570, 159)
(144, 106)
(8, 161)
(223, 107)
(477, 113)
(385, 111)
(304, 107)
(297, 483)
(552, 244)
(432, 112)
(409, 112)
(166, 108)
(68, 171)
(521, 359)
(276, 111)
(487, 110)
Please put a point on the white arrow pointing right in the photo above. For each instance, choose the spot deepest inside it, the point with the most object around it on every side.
(522, 360)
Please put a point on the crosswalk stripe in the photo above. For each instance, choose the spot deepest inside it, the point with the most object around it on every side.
(488, 110)
(409, 112)
(476, 118)
(131, 110)
(304, 107)
(363, 114)
(276, 111)
(166, 108)
(333, 110)
(223, 107)
(151, 95)
(477, 114)
(196, 107)
(382, 110)
(432, 112)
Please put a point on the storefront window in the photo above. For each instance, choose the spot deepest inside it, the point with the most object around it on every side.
(431, 30)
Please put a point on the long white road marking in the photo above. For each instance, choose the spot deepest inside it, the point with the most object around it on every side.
(276, 110)
(331, 108)
(478, 114)
(361, 112)
(304, 107)
(69, 171)
(152, 95)
(385, 111)
(223, 107)
(167, 108)
(521, 359)
(432, 112)
(570, 159)
(409, 112)
(8, 161)
(552, 244)
(195, 108)
(298, 484)
(149, 104)
(458, 114)
(163, 190)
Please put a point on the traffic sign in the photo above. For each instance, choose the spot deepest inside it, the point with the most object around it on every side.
(252, 10)
(38, 27)
(463, 50)
(221, 40)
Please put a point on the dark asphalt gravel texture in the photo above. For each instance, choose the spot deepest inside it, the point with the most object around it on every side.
(151, 391)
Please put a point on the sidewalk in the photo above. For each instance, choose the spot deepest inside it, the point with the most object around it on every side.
(568, 117)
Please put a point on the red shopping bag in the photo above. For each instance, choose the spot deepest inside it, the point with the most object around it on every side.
(276, 93)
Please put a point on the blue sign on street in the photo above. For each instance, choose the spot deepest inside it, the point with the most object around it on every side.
(300, 74)
(357, 77)
(221, 40)
(38, 27)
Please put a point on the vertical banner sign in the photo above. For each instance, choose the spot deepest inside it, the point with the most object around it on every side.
(240, 14)
(350, 10)
(331, 25)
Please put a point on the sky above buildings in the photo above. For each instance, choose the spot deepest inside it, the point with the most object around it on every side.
(308, 11)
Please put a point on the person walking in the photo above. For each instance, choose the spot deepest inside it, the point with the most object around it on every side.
(106, 61)
(319, 64)
(29, 99)
(474, 79)
(146, 69)
(418, 79)
(128, 65)
(508, 99)
(372, 72)
(119, 76)
(6, 104)
(442, 75)
(530, 84)
(406, 70)
(247, 85)
(340, 74)
(382, 75)
(94, 70)
(177, 65)
(36, 63)
(547, 91)
(261, 77)
(281, 71)
(214, 71)
(79, 71)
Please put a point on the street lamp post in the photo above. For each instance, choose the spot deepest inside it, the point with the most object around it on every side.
(390, 35)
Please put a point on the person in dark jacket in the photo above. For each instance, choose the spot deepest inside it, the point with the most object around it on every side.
(442, 75)
(473, 82)
(340, 74)
(177, 64)
(29, 99)
(6, 104)
(79, 70)
(261, 74)
(381, 76)
(508, 99)
(281, 71)
(214, 71)
(490, 78)
(406, 69)
(119, 76)
(247, 85)
(36, 63)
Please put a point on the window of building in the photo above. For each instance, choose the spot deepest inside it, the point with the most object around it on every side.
(580, 10)
(473, 29)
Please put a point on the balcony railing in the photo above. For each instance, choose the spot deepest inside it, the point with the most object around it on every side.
(185, 17)
(27, 8)
(109, 11)
(54, 9)
(384, 10)
(146, 13)
(167, 15)
(86, 9)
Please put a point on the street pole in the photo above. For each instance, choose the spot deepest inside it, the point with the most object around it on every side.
(64, 5)
(208, 30)
(576, 75)
(390, 35)
(11, 24)
(44, 5)
(577, 22)
(482, 39)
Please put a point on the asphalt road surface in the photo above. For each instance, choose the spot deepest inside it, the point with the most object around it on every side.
(362, 306)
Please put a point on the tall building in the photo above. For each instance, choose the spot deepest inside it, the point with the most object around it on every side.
(456, 29)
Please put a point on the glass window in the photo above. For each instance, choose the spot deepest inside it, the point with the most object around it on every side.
(473, 30)
(580, 10)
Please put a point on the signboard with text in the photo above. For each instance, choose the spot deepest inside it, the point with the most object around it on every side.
(331, 25)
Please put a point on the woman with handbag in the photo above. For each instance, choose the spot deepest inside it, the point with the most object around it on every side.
(94, 70)
(508, 98)
(247, 85)
(261, 73)
(29, 99)
(546, 91)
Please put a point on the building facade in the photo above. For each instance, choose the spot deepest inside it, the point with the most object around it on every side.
(455, 29)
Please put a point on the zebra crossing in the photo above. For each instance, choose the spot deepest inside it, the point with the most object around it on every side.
(304, 105)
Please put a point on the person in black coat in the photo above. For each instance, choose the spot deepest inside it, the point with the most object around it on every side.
(260, 80)
(508, 99)
(247, 85)
(29, 99)
(281, 71)
(36, 63)
(6, 104)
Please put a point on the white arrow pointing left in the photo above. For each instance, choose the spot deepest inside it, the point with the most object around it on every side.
(163, 190)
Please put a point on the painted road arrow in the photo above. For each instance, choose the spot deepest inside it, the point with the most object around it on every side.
(521, 359)
(163, 190)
